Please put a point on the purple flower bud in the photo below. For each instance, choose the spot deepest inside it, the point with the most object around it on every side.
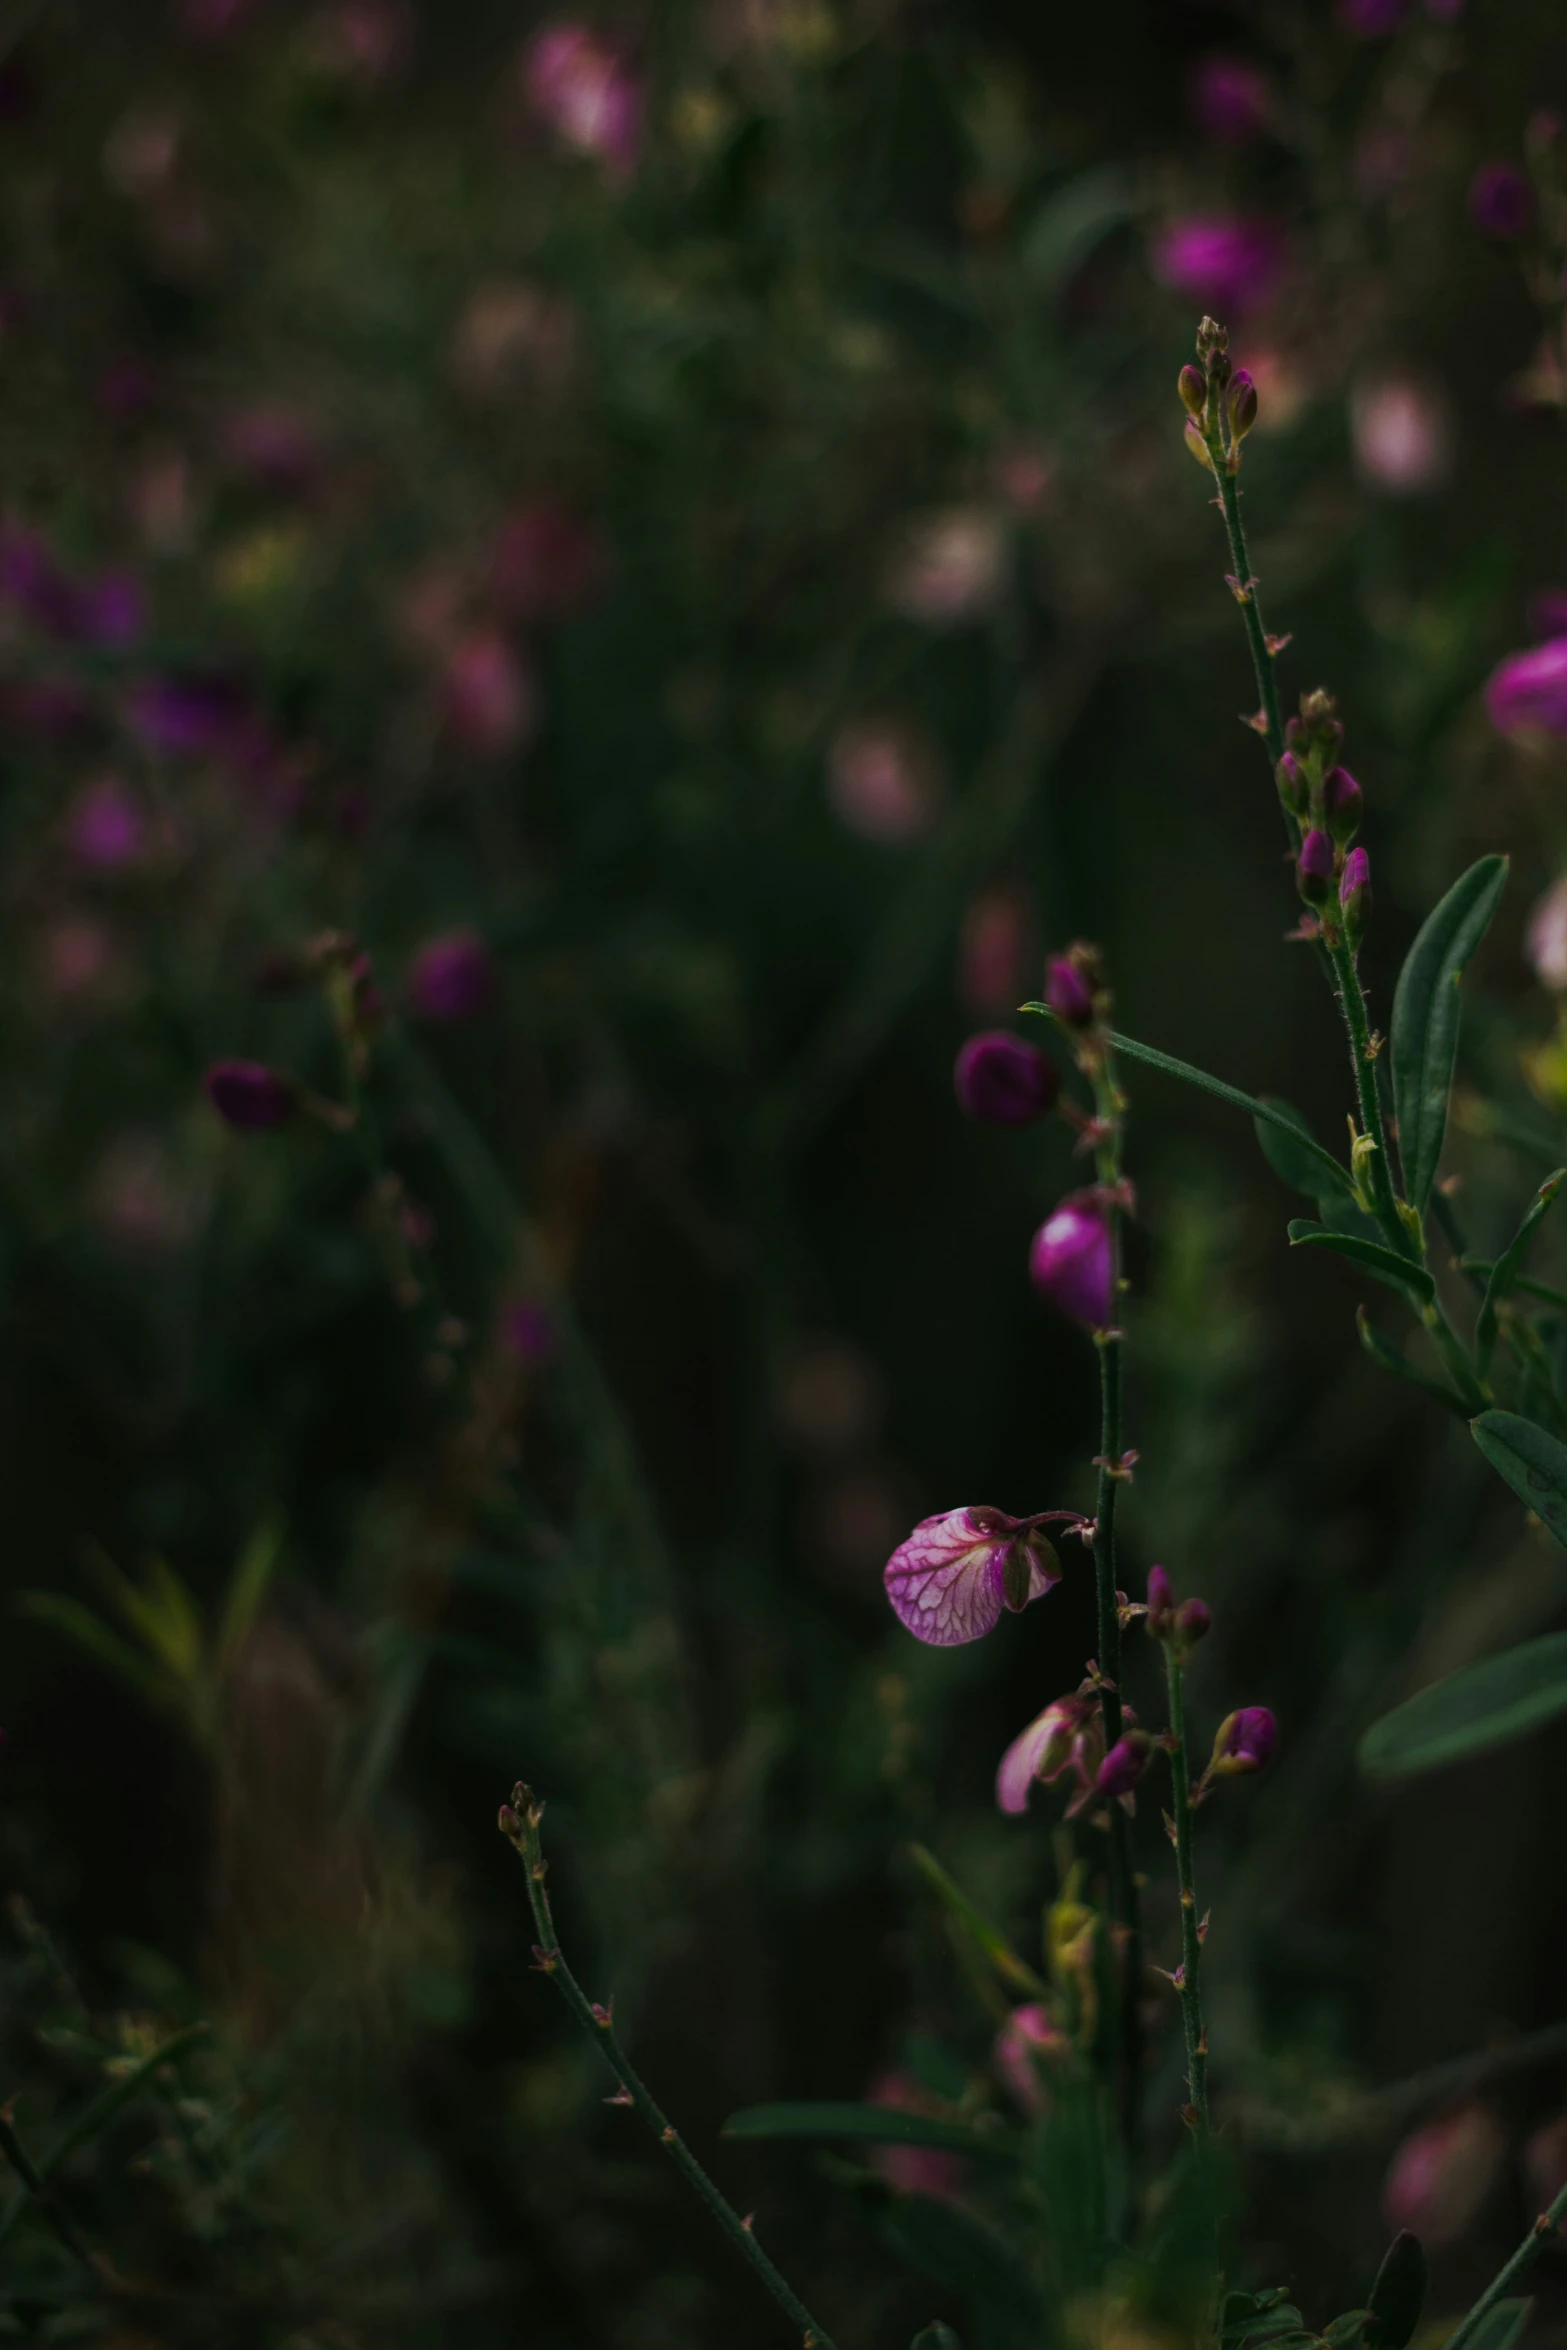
(1314, 869)
(1005, 1080)
(1193, 390)
(1354, 893)
(1124, 1765)
(1501, 201)
(949, 1581)
(1293, 782)
(1193, 1622)
(1231, 99)
(250, 1096)
(1343, 803)
(1069, 992)
(1161, 1602)
(1529, 690)
(451, 977)
(1244, 1741)
(1242, 397)
(1072, 1260)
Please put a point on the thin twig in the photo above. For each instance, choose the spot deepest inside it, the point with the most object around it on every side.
(1511, 2273)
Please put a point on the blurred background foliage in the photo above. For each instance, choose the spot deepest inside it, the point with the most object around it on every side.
(597, 593)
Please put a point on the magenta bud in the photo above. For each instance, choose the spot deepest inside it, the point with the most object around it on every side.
(1072, 1260)
(1193, 390)
(1244, 1741)
(1161, 1603)
(1242, 397)
(1193, 1622)
(1314, 868)
(1124, 1765)
(1354, 893)
(250, 1096)
(452, 977)
(1004, 1080)
(1069, 992)
(1294, 784)
(1343, 803)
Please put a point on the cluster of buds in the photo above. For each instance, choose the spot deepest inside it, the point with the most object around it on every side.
(1177, 1625)
(1220, 401)
(1327, 803)
(1072, 1258)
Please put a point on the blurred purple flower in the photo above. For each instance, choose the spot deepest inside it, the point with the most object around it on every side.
(1403, 434)
(214, 20)
(451, 977)
(1442, 2173)
(530, 1332)
(111, 611)
(883, 781)
(1228, 264)
(491, 702)
(1371, 20)
(1545, 937)
(1004, 1080)
(35, 583)
(190, 716)
(1501, 200)
(583, 88)
(1072, 1260)
(275, 445)
(250, 1096)
(105, 829)
(1230, 97)
(948, 1580)
(1068, 992)
(914, 2170)
(992, 949)
(1529, 690)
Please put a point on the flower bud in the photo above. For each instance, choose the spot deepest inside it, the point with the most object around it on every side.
(1242, 402)
(1194, 392)
(1197, 445)
(1343, 803)
(1354, 894)
(1193, 1621)
(1293, 782)
(1004, 1080)
(1069, 987)
(1314, 868)
(1161, 1603)
(1244, 1741)
(249, 1096)
(1072, 1260)
(1124, 1765)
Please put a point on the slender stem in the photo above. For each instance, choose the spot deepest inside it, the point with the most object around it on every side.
(48, 2209)
(1190, 1982)
(520, 1822)
(1251, 613)
(1363, 1060)
(1528, 2252)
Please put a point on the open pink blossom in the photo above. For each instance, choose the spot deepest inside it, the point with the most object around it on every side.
(584, 90)
(1067, 1736)
(949, 1581)
(1231, 265)
(1529, 690)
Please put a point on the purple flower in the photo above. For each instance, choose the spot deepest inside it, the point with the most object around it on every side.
(1004, 1080)
(1501, 201)
(949, 1581)
(1226, 263)
(1072, 1260)
(110, 611)
(1371, 20)
(190, 716)
(1442, 2174)
(1230, 98)
(1067, 1736)
(249, 1095)
(1529, 690)
(530, 1332)
(1342, 802)
(583, 88)
(35, 583)
(452, 977)
(1354, 893)
(1244, 1741)
(105, 828)
(1124, 1765)
(1069, 992)
(1314, 868)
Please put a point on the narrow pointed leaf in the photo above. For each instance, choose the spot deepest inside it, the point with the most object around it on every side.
(1504, 1273)
(1297, 1157)
(1269, 1113)
(874, 2125)
(1370, 1256)
(1488, 1704)
(1500, 2327)
(91, 1633)
(1425, 1019)
(1346, 2331)
(972, 1921)
(1533, 1462)
(1399, 2294)
(248, 1588)
(1393, 1358)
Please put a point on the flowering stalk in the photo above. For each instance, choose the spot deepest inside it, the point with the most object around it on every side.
(1189, 1981)
(519, 1822)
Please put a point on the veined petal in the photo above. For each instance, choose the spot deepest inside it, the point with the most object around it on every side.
(1043, 1742)
(945, 1580)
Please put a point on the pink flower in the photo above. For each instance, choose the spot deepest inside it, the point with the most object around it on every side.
(1072, 1260)
(491, 705)
(949, 1581)
(992, 949)
(1529, 690)
(883, 782)
(1403, 435)
(581, 86)
(914, 2170)
(451, 977)
(105, 828)
(951, 567)
(1545, 939)
(1067, 1736)
(1441, 2175)
(1228, 264)
(1230, 98)
(530, 1332)
(1029, 2035)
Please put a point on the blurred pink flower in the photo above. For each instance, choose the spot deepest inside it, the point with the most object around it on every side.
(581, 85)
(1403, 435)
(1441, 2175)
(1024, 473)
(452, 978)
(111, 610)
(992, 949)
(529, 1332)
(1029, 2034)
(1229, 264)
(1528, 691)
(1501, 201)
(78, 958)
(951, 567)
(1545, 938)
(883, 782)
(488, 693)
(1231, 98)
(914, 2170)
(105, 828)
(545, 562)
(275, 445)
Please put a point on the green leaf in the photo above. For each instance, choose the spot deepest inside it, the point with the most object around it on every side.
(1533, 1463)
(1425, 1019)
(1289, 1126)
(1347, 2330)
(1500, 2327)
(988, 1938)
(1070, 223)
(1369, 1255)
(91, 1633)
(1471, 1711)
(1297, 1158)
(248, 1587)
(936, 2337)
(1399, 2294)
(1504, 1272)
(872, 2125)
(1393, 1358)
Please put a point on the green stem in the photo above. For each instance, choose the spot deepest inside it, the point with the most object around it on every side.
(1251, 614)
(1363, 1061)
(38, 2187)
(1190, 1985)
(1528, 2252)
(520, 1822)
